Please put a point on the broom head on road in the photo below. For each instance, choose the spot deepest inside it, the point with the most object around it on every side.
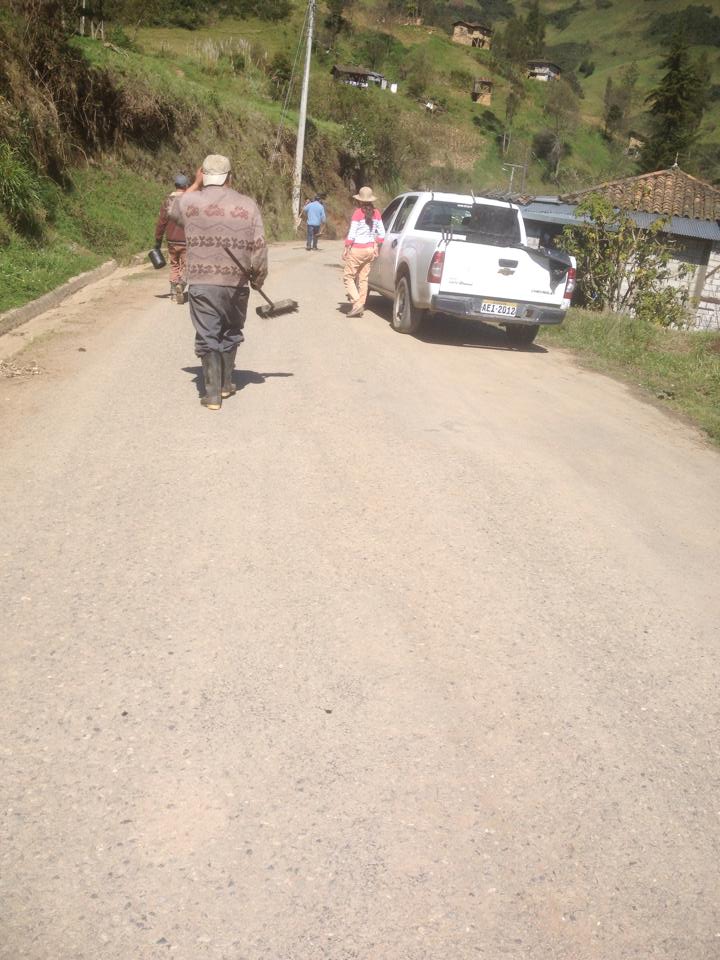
(272, 309)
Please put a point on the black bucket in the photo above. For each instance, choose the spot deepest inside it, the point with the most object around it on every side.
(157, 259)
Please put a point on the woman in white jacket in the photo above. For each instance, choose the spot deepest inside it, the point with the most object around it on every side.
(362, 243)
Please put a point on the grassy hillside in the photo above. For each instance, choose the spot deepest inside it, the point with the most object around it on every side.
(625, 32)
(132, 112)
(461, 147)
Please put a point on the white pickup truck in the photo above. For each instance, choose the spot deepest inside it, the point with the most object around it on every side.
(448, 253)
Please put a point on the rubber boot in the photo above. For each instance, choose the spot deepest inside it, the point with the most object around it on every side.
(212, 374)
(228, 365)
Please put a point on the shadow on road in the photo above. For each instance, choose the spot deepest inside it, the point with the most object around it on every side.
(454, 331)
(241, 378)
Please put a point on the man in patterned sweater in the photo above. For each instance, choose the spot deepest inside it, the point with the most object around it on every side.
(217, 219)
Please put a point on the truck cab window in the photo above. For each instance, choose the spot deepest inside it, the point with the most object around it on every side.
(489, 224)
(401, 218)
(441, 215)
(479, 222)
(390, 211)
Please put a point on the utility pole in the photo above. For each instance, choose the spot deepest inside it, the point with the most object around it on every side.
(513, 167)
(297, 176)
(525, 167)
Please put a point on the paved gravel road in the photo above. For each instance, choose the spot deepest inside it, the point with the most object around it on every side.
(410, 652)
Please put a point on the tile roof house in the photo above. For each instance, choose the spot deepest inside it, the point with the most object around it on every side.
(671, 192)
(472, 34)
(692, 207)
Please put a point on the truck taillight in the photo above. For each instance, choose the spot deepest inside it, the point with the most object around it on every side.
(436, 267)
(569, 285)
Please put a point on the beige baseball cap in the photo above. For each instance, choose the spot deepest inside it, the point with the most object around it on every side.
(215, 169)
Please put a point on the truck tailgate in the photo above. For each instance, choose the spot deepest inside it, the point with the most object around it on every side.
(496, 272)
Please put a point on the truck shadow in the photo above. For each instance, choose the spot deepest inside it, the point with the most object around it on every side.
(455, 331)
(241, 378)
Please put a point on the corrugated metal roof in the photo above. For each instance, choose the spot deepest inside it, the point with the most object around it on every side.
(543, 63)
(356, 71)
(683, 226)
(545, 211)
(541, 208)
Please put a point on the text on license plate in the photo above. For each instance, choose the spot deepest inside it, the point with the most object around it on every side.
(498, 309)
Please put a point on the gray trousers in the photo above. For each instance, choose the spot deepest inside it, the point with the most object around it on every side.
(218, 315)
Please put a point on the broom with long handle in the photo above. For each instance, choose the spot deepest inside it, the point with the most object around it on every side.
(273, 309)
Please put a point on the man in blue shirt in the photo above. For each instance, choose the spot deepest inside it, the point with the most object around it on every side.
(315, 215)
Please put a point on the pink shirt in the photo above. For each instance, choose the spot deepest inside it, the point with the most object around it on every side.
(362, 235)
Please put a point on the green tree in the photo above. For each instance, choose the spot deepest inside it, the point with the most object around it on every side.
(608, 101)
(360, 150)
(676, 108)
(562, 108)
(619, 101)
(523, 38)
(335, 21)
(419, 72)
(279, 72)
(512, 102)
(513, 43)
(376, 48)
(535, 30)
(624, 267)
(612, 120)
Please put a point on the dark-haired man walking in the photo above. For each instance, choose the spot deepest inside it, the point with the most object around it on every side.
(315, 216)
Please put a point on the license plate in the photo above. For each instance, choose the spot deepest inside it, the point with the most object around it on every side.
(497, 309)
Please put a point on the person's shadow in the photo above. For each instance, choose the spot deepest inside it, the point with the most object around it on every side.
(240, 378)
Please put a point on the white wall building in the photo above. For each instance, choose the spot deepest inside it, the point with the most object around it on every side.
(693, 211)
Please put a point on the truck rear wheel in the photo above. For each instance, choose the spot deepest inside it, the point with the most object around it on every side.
(521, 334)
(406, 317)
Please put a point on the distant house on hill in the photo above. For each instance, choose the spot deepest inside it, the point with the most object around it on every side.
(635, 144)
(472, 34)
(482, 92)
(542, 70)
(693, 209)
(360, 77)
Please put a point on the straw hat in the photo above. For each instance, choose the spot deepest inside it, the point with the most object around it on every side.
(365, 195)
